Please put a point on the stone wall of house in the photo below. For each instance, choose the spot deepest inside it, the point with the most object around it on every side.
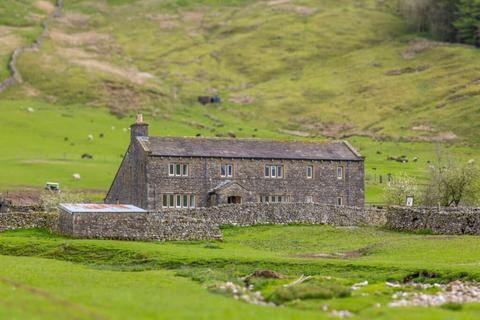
(130, 184)
(28, 220)
(204, 176)
(435, 220)
(137, 226)
(250, 214)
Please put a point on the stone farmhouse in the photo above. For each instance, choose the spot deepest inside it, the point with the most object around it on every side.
(173, 172)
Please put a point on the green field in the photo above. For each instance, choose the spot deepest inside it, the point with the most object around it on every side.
(46, 276)
(284, 70)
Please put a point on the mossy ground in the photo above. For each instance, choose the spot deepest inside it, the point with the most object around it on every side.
(44, 275)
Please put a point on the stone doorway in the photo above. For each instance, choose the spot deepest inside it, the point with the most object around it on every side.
(234, 200)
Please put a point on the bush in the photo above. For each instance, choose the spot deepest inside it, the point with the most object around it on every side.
(397, 191)
(51, 200)
(304, 292)
(452, 183)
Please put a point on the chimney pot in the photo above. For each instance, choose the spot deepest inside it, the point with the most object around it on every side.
(139, 118)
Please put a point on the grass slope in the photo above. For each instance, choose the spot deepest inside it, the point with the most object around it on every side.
(323, 73)
(124, 280)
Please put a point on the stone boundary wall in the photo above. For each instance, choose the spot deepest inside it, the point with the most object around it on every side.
(437, 220)
(137, 226)
(12, 65)
(28, 220)
(250, 214)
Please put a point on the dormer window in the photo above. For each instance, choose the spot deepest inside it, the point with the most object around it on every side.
(226, 170)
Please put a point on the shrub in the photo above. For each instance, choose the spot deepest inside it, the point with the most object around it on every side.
(304, 292)
(51, 200)
(397, 191)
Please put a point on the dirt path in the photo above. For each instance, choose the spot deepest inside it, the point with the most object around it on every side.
(15, 76)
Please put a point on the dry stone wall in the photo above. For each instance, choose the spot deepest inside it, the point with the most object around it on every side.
(137, 226)
(28, 220)
(250, 214)
(436, 220)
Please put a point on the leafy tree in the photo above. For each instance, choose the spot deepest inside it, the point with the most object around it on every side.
(452, 184)
(402, 186)
(468, 22)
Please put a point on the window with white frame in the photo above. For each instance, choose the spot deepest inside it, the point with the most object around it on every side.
(309, 172)
(274, 172)
(178, 201)
(178, 170)
(340, 172)
(226, 170)
(339, 201)
(274, 198)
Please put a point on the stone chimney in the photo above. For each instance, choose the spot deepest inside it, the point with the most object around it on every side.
(139, 128)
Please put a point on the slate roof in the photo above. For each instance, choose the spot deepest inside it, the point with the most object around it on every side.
(248, 148)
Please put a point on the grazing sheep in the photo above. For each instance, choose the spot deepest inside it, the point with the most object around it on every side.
(90, 137)
(76, 176)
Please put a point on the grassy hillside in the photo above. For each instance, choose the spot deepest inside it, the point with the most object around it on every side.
(64, 278)
(284, 69)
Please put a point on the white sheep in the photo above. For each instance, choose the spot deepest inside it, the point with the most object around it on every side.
(76, 176)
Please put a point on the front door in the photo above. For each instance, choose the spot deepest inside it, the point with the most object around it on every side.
(234, 200)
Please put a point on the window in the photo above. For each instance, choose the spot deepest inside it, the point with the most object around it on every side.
(226, 170)
(267, 171)
(274, 198)
(339, 172)
(339, 201)
(274, 172)
(165, 201)
(309, 199)
(309, 172)
(279, 172)
(178, 170)
(192, 201)
(179, 201)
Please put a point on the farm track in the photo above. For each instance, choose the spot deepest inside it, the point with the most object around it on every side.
(15, 75)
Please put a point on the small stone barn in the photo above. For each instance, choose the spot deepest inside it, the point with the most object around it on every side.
(178, 172)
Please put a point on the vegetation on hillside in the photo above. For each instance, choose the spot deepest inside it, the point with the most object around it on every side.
(446, 20)
(336, 69)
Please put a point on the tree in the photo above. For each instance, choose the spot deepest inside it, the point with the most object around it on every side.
(467, 22)
(401, 187)
(452, 183)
